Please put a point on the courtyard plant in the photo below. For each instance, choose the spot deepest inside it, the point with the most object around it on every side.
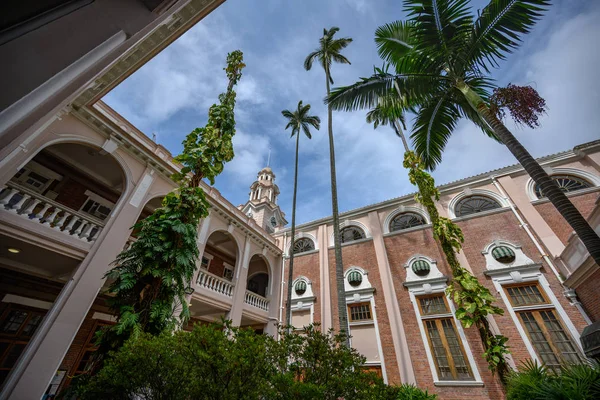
(537, 382)
(222, 362)
(150, 281)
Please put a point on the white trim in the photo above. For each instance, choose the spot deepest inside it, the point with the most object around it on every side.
(26, 301)
(347, 223)
(520, 258)
(434, 272)
(301, 235)
(403, 210)
(104, 317)
(474, 192)
(594, 180)
(528, 274)
(440, 287)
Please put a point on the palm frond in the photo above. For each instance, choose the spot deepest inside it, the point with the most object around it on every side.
(433, 125)
(440, 26)
(308, 61)
(394, 40)
(362, 94)
(499, 29)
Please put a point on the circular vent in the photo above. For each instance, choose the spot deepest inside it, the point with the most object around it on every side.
(503, 254)
(354, 278)
(421, 267)
(300, 288)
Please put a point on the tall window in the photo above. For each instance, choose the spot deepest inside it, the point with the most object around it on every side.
(17, 326)
(405, 221)
(351, 233)
(475, 204)
(566, 183)
(445, 344)
(303, 244)
(543, 326)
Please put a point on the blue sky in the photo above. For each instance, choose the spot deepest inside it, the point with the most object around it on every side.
(171, 94)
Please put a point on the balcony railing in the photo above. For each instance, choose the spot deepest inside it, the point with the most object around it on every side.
(215, 284)
(37, 208)
(256, 300)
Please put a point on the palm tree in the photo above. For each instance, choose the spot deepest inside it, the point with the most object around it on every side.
(297, 120)
(328, 51)
(442, 56)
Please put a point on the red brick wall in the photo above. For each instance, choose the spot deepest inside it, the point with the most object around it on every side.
(589, 294)
(306, 265)
(584, 203)
(363, 255)
(71, 194)
(400, 248)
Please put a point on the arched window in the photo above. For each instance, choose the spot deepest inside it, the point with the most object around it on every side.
(475, 204)
(303, 244)
(351, 233)
(405, 221)
(566, 183)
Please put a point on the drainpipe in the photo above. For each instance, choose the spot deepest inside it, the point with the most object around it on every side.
(282, 279)
(568, 292)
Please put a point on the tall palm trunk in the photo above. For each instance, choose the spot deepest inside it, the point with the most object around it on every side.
(339, 265)
(288, 306)
(556, 196)
(400, 133)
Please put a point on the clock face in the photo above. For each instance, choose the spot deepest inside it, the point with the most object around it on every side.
(273, 222)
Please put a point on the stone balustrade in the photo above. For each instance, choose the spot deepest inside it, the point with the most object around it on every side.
(37, 208)
(256, 300)
(215, 283)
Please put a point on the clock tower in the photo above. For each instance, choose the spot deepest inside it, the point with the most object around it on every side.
(262, 203)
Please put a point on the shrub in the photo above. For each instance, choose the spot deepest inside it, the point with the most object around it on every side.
(572, 382)
(221, 362)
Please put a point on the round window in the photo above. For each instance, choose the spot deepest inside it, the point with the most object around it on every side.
(503, 254)
(421, 268)
(354, 278)
(300, 288)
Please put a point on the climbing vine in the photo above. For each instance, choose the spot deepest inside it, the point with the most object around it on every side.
(150, 279)
(473, 300)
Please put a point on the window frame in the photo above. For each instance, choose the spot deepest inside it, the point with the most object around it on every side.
(303, 239)
(354, 227)
(91, 196)
(360, 321)
(536, 310)
(457, 206)
(437, 319)
(402, 214)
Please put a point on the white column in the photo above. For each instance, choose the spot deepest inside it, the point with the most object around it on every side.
(407, 373)
(46, 350)
(239, 292)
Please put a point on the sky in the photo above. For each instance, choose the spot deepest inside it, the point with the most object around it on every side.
(171, 94)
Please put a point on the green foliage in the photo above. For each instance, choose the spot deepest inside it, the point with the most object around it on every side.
(474, 301)
(573, 382)
(221, 362)
(149, 279)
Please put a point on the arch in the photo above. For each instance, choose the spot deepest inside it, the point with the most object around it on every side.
(474, 192)
(231, 235)
(592, 179)
(520, 258)
(364, 283)
(301, 235)
(411, 275)
(237, 253)
(404, 210)
(85, 141)
(255, 275)
(347, 224)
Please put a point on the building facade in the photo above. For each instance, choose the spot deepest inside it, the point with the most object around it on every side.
(75, 176)
(395, 274)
